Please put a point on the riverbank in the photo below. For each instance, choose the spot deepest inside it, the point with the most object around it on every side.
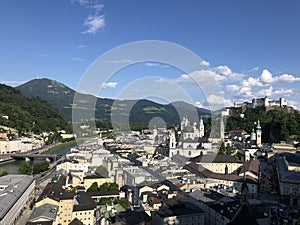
(5, 160)
(61, 145)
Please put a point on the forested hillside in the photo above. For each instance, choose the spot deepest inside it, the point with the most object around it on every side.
(277, 125)
(28, 114)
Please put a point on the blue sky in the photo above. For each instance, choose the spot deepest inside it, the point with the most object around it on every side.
(251, 48)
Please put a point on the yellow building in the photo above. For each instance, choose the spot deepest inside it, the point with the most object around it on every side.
(55, 194)
(90, 179)
(84, 208)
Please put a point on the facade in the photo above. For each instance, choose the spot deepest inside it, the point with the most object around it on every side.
(135, 175)
(7, 146)
(84, 208)
(224, 164)
(90, 179)
(288, 167)
(190, 141)
(54, 193)
(229, 182)
(15, 192)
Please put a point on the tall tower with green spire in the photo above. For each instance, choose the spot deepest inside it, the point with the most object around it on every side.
(258, 134)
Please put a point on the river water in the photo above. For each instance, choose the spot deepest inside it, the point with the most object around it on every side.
(13, 167)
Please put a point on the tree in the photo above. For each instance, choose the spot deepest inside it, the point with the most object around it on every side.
(222, 149)
(74, 190)
(26, 168)
(104, 187)
(122, 202)
(113, 187)
(104, 201)
(93, 187)
(228, 149)
(3, 173)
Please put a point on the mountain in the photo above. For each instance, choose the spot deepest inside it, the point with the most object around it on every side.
(139, 112)
(28, 113)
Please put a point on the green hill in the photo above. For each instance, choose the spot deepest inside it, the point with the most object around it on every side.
(277, 125)
(142, 111)
(28, 114)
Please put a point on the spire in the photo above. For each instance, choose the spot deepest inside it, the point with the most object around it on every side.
(258, 125)
(253, 135)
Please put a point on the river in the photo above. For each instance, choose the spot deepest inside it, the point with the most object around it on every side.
(13, 167)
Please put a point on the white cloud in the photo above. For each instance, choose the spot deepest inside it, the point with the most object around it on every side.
(12, 83)
(255, 68)
(94, 24)
(152, 64)
(225, 74)
(109, 85)
(268, 78)
(204, 63)
(199, 105)
(219, 101)
(252, 82)
(232, 88)
(283, 92)
(94, 5)
(77, 59)
(265, 92)
(293, 103)
(81, 46)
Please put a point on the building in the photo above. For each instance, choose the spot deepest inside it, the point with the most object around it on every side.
(190, 140)
(135, 175)
(84, 208)
(288, 172)
(44, 214)
(225, 164)
(240, 107)
(178, 211)
(15, 192)
(55, 193)
(95, 178)
(228, 182)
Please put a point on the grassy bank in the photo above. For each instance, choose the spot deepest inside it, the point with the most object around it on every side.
(62, 145)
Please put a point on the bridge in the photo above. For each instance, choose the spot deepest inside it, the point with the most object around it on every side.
(29, 156)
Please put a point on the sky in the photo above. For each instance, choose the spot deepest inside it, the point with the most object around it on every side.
(250, 49)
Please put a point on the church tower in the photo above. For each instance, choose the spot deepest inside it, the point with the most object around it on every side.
(253, 135)
(222, 129)
(258, 134)
(201, 128)
(172, 141)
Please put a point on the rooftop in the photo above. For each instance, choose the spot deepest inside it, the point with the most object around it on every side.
(201, 171)
(214, 159)
(12, 187)
(84, 202)
(55, 190)
(47, 211)
(178, 207)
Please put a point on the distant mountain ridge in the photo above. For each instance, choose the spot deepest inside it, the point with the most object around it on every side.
(61, 97)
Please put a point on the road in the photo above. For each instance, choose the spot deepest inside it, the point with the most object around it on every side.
(41, 181)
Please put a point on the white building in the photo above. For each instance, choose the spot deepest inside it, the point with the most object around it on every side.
(15, 192)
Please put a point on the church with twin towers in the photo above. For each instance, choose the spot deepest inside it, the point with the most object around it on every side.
(191, 140)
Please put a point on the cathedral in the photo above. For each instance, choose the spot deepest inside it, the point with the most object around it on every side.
(189, 141)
